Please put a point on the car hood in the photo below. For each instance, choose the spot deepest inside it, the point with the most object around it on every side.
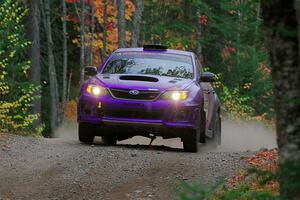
(143, 82)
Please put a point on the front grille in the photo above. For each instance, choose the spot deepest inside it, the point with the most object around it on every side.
(143, 95)
(133, 114)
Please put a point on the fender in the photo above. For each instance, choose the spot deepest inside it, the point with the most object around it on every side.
(212, 108)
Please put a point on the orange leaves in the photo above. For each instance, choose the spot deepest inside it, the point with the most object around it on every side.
(71, 111)
(265, 160)
(227, 50)
(264, 69)
(265, 164)
(111, 27)
(237, 179)
(130, 8)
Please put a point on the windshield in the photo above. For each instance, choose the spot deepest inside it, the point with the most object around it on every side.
(162, 64)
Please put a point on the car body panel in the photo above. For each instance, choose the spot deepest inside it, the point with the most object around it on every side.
(164, 83)
(159, 113)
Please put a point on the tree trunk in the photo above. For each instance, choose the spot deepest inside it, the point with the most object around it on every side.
(65, 55)
(51, 65)
(257, 26)
(280, 17)
(34, 52)
(82, 41)
(69, 86)
(104, 28)
(199, 35)
(121, 24)
(139, 7)
(92, 34)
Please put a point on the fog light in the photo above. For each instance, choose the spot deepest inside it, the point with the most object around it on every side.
(180, 116)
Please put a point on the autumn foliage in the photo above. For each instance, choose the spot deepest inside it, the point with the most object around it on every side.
(111, 28)
(261, 175)
(16, 91)
(71, 111)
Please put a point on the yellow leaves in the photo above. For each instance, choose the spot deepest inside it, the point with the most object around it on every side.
(112, 30)
(130, 8)
(98, 43)
(12, 54)
(247, 86)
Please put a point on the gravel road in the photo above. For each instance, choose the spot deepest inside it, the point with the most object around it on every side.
(62, 168)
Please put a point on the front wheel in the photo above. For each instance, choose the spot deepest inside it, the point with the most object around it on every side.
(217, 135)
(86, 132)
(190, 141)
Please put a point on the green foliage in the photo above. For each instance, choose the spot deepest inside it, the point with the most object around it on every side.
(235, 40)
(222, 191)
(232, 42)
(16, 92)
(235, 104)
(290, 177)
(258, 181)
(196, 191)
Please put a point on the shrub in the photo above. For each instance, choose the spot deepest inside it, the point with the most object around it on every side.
(259, 182)
(17, 93)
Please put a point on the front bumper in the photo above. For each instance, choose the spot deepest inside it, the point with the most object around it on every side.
(132, 113)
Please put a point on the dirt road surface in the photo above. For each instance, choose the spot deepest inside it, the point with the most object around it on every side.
(62, 168)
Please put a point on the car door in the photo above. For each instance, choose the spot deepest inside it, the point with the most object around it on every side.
(209, 101)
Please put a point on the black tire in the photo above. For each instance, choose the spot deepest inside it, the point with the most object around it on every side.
(109, 140)
(217, 135)
(202, 138)
(86, 132)
(190, 141)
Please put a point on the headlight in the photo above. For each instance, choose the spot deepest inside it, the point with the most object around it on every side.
(176, 95)
(96, 90)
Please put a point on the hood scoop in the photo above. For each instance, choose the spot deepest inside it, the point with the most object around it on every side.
(175, 80)
(138, 78)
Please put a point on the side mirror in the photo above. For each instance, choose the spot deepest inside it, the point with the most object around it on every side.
(207, 77)
(90, 71)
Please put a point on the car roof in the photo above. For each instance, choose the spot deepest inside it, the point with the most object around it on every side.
(168, 51)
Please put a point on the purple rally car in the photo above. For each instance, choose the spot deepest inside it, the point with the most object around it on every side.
(151, 91)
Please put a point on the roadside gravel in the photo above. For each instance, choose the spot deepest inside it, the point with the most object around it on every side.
(65, 169)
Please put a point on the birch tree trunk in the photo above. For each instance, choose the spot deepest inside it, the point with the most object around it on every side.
(51, 65)
(139, 7)
(35, 52)
(65, 55)
(283, 19)
(121, 24)
(92, 34)
(69, 85)
(104, 28)
(82, 41)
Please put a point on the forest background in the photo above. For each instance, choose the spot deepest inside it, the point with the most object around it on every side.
(45, 46)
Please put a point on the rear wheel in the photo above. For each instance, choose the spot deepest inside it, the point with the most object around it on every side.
(109, 139)
(190, 140)
(217, 136)
(86, 132)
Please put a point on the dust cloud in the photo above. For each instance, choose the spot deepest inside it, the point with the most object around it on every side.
(236, 136)
(243, 136)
